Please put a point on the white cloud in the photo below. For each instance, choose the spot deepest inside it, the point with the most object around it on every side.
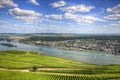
(15, 25)
(77, 8)
(113, 17)
(34, 2)
(7, 3)
(115, 24)
(81, 19)
(114, 9)
(58, 4)
(27, 16)
(54, 16)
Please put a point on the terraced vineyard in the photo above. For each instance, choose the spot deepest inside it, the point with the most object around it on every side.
(18, 65)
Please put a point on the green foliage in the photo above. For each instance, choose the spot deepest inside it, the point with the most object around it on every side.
(65, 69)
(22, 59)
(12, 75)
(35, 68)
(60, 38)
(84, 71)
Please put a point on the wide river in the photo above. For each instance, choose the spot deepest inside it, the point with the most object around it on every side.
(86, 57)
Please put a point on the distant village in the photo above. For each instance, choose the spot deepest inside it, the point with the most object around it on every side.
(106, 46)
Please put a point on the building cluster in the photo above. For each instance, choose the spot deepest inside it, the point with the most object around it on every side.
(108, 46)
(103, 45)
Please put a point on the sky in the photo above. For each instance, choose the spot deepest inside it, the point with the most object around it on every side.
(60, 16)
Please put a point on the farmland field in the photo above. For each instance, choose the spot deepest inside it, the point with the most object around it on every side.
(18, 65)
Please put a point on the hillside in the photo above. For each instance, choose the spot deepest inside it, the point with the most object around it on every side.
(18, 65)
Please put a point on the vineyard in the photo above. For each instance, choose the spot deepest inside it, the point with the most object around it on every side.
(18, 65)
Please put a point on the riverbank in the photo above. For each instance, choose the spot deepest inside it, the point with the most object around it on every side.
(7, 45)
(104, 44)
(86, 57)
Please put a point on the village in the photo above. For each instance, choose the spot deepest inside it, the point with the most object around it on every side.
(108, 46)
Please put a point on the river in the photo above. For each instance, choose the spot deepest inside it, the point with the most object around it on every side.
(86, 57)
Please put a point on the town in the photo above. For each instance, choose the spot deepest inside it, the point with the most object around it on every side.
(105, 44)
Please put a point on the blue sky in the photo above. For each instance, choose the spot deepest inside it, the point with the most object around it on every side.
(60, 16)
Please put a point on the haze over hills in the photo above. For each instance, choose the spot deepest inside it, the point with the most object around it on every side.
(63, 34)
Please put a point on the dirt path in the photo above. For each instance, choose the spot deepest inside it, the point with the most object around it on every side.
(21, 70)
(60, 74)
(39, 69)
(58, 69)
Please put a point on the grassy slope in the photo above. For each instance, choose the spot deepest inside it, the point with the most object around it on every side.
(21, 60)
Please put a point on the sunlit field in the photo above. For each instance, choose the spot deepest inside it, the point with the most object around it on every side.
(18, 65)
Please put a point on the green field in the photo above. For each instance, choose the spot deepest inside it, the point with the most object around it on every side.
(17, 65)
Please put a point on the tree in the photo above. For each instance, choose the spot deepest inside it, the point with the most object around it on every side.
(35, 68)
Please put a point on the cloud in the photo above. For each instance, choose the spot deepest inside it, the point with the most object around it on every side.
(58, 4)
(114, 9)
(81, 19)
(34, 2)
(77, 8)
(112, 17)
(7, 3)
(115, 15)
(4, 22)
(54, 16)
(27, 16)
(116, 24)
